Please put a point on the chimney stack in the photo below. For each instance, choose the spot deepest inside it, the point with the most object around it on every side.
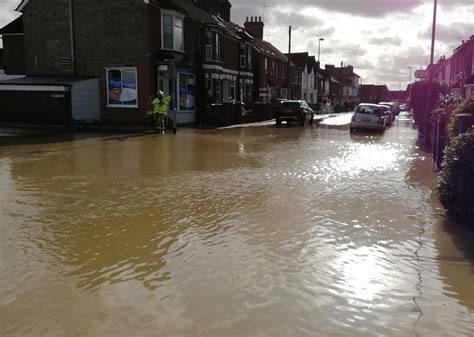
(254, 27)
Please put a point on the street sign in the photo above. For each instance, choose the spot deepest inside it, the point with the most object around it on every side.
(421, 74)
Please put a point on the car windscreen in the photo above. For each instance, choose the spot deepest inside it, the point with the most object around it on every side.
(368, 109)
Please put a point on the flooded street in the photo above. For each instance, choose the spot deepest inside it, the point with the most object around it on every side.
(256, 231)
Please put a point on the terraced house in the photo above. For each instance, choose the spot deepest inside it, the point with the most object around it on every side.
(90, 61)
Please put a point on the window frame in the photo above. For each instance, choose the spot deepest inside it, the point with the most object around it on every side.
(173, 15)
(122, 70)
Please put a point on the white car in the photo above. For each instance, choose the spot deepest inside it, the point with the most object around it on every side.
(368, 116)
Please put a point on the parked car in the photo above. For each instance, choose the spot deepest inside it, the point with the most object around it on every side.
(294, 111)
(389, 114)
(394, 106)
(368, 116)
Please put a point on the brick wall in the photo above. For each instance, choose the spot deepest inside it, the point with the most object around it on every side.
(14, 54)
(111, 33)
(47, 37)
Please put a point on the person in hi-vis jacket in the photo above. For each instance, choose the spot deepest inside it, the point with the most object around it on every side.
(160, 110)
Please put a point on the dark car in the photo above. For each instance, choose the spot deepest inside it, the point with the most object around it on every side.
(294, 111)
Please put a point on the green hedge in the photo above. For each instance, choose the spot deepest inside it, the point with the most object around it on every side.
(456, 179)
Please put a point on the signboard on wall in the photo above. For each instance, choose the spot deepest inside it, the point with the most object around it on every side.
(422, 74)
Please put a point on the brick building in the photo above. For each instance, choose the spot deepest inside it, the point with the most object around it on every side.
(303, 69)
(132, 48)
(371, 93)
(462, 69)
(270, 66)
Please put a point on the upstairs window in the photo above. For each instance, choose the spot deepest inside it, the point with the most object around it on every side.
(266, 65)
(249, 56)
(172, 32)
(213, 46)
(243, 53)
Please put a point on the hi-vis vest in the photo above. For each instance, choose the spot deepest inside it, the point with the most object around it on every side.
(161, 106)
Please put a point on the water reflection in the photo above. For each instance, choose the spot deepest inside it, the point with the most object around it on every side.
(269, 231)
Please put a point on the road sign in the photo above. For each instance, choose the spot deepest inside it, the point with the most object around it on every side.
(421, 74)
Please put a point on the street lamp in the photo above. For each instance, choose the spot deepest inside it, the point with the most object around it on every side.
(319, 47)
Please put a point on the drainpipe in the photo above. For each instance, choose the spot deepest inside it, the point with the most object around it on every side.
(71, 31)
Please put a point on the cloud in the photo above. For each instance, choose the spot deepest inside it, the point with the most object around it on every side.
(390, 40)
(450, 34)
(361, 8)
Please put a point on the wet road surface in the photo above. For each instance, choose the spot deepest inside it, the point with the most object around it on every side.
(257, 231)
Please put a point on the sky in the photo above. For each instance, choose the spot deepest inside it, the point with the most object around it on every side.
(381, 39)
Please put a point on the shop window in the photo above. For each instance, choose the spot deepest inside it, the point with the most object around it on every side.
(172, 32)
(186, 90)
(122, 87)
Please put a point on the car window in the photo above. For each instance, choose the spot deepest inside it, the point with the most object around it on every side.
(368, 109)
(290, 105)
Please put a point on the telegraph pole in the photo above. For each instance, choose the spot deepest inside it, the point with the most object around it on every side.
(289, 61)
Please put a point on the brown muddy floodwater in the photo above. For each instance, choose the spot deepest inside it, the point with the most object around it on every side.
(257, 231)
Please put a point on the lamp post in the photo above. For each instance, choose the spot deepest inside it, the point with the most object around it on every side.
(319, 47)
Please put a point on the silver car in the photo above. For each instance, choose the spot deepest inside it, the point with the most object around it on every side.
(368, 116)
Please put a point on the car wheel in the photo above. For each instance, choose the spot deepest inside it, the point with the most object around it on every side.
(278, 122)
(302, 122)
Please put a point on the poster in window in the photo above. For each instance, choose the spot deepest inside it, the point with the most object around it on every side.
(186, 92)
(122, 86)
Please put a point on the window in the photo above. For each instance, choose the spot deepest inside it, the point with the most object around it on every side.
(283, 72)
(186, 89)
(213, 46)
(209, 86)
(266, 65)
(472, 65)
(278, 70)
(273, 67)
(217, 46)
(172, 32)
(122, 87)
(249, 56)
(283, 93)
(232, 88)
(242, 55)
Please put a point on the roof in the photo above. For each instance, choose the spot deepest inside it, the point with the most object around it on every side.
(299, 59)
(186, 7)
(14, 27)
(45, 80)
(266, 48)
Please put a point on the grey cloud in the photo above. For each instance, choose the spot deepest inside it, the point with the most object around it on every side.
(364, 8)
(7, 11)
(450, 34)
(297, 20)
(385, 41)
